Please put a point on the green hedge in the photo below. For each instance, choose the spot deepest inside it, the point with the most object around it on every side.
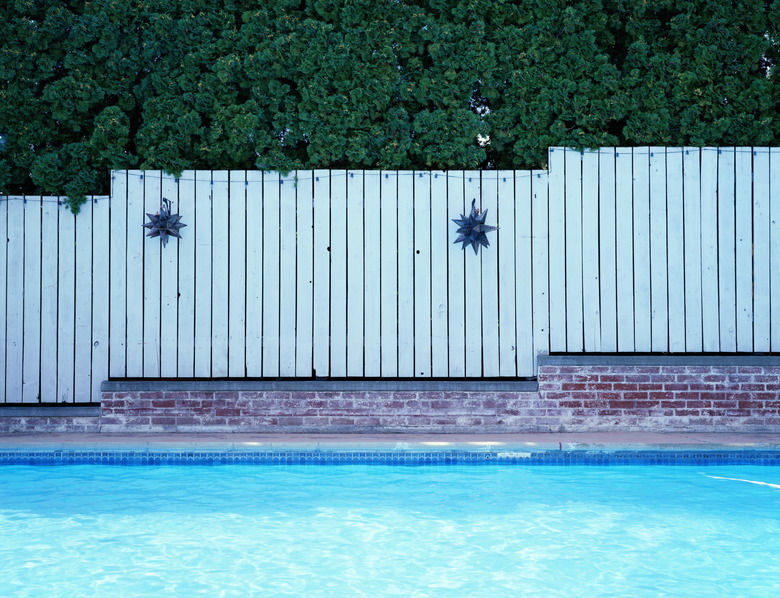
(395, 84)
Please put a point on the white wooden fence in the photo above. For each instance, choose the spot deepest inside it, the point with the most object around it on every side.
(354, 274)
(53, 300)
(324, 273)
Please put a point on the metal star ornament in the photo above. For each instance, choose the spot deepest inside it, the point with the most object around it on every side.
(163, 224)
(472, 230)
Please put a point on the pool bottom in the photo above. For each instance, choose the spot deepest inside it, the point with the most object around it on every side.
(382, 457)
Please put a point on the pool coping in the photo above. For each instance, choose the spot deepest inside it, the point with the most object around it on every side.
(528, 442)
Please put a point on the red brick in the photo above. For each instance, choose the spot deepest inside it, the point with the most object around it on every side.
(698, 369)
(163, 421)
(749, 369)
(686, 412)
(698, 404)
(676, 386)
(568, 386)
(636, 396)
(621, 386)
(611, 378)
(624, 404)
(570, 403)
(599, 386)
(164, 403)
(638, 378)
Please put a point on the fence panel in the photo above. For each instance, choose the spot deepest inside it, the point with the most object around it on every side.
(32, 301)
(288, 247)
(49, 293)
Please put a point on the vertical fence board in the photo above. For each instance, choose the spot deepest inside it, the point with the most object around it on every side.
(236, 367)
(49, 294)
(726, 250)
(405, 273)
(774, 247)
(271, 281)
(473, 311)
(709, 250)
(4, 201)
(516, 273)
(151, 274)
(591, 309)
(607, 250)
(66, 308)
(389, 267)
(134, 301)
(220, 272)
(202, 233)
(422, 274)
(761, 241)
(304, 270)
(761, 257)
(287, 277)
(489, 259)
(185, 348)
(372, 274)
(118, 274)
(692, 216)
(169, 288)
(32, 301)
(540, 248)
(440, 240)
(513, 244)
(675, 251)
(14, 324)
(744, 247)
(322, 291)
(557, 250)
(573, 244)
(100, 294)
(338, 273)
(82, 383)
(659, 331)
(642, 274)
(254, 274)
(456, 268)
(624, 201)
(355, 282)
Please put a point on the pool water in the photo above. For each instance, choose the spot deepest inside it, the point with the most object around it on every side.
(369, 530)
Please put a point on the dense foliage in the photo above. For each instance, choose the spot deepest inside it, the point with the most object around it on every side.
(396, 84)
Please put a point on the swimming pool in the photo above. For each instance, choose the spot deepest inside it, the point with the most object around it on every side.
(493, 530)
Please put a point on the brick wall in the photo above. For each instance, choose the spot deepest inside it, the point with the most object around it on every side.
(575, 394)
(663, 397)
(326, 411)
(38, 423)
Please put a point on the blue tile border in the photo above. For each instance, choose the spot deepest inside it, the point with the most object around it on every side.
(289, 457)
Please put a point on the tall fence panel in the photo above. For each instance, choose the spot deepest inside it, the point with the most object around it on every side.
(686, 261)
(325, 273)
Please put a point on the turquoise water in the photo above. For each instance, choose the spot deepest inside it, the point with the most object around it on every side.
(362, 530)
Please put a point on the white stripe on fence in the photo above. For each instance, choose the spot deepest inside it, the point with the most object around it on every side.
(354, 273)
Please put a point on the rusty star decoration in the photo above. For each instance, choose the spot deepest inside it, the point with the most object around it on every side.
(163, 224)
(472, 230)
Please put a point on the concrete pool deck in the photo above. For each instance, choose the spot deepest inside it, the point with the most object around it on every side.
(594, 441)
